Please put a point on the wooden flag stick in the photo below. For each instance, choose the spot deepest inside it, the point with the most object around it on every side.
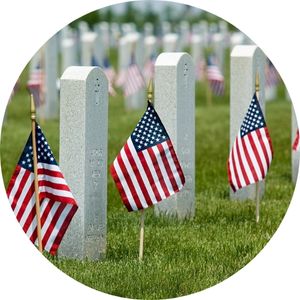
(142, 221)
(142, 231)
(36, 184)
(257, 183)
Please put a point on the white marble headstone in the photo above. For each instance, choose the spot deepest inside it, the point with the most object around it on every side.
(246, 62)
(83, 159)
(174, 101)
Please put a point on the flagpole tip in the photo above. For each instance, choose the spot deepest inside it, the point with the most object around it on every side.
(32, 108)
(150, 91)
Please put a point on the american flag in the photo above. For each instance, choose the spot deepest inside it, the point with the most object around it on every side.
(296, 144)
(35, 85)
(57, 204)
(149, 68)
(134, 79)
(271, 74)
(147, 169)
(252, 152)
(215, 77)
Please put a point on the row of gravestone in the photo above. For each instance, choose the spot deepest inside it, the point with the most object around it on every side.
(84, 132)
(85, 46)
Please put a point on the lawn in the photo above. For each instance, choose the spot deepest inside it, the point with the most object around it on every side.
(181, 257)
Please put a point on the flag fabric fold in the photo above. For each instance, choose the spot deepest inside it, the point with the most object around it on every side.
(252, 151)
(35, 85)
(147, 169)
(57, 204)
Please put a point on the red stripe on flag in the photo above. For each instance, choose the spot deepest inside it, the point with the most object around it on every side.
(230, 176)
(255, 151)
(167, 167)
(120, 187)
(262, 144)
(176, 162)
(241, 163)
(20, 188)
(158, 172)
(57, 186)
(62, 199)
(129, 182)
(149, 175)
(13, 180)
(50, 173)
(137, 175)
(236, 175)
(62, 230)
(26, 200)
(250, 164)
(52, 224)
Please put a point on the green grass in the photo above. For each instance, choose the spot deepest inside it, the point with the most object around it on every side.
(181, 257)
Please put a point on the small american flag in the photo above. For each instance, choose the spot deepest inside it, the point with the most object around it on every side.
(147, 169)
(252, 152)
(215, 77)
(149, 68)
(57, 204)
(134, 80)
(296, 144)
(35, 85)
(271, 74)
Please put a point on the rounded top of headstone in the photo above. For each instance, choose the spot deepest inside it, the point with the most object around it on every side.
(89, 36)
(244, 50)
(82, 73)
(171, 37)
(171, 58)
(151, 39)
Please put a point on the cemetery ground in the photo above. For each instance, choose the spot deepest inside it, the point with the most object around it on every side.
(181, 257)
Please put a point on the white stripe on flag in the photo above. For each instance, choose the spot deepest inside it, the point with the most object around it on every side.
(141, 171)
(124, 184)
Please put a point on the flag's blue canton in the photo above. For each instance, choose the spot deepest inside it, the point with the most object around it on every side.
(44, 153)
(254, 118)
(149, 131)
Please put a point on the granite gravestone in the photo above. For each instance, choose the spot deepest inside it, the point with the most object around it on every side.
(246, 62)
(83, 159)
(174, 101)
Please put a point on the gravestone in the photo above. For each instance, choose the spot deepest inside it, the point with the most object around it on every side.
(69, 53)
(246, 62)
(165, 28)
(132, 43)
(102, 41)
(174, 101)
(148, 29)
(88, 40)
(150, 47)
(114, 34)
(196, 47)
(295, 154)
(184, 31)
(83, 159)
(51, 106)
(218, 46)
(171, 42)
(203, 27)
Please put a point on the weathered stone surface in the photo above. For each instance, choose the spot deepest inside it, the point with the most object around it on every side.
(175, 103)
(83, 159)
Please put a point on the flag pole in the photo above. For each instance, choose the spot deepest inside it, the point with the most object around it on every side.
(142, 219)
(257, 183)
(36, 184)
